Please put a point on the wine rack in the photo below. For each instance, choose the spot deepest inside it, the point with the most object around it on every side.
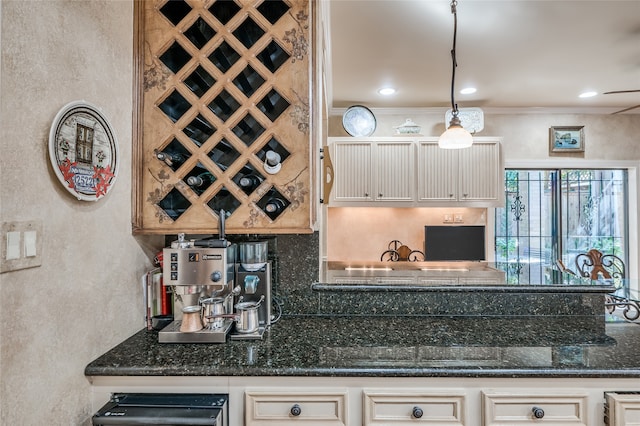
(224, 88)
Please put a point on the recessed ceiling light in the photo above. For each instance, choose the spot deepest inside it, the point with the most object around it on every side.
(468, 90)
(386, 91)
(587, 94)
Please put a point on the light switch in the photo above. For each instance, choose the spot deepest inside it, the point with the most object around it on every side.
(30, 243)
(13, 245)
(21, 246)
(447, 218)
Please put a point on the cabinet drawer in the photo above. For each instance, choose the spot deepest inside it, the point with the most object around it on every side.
(531, 408)
(622, 409)
(401, 408)
(308, 408)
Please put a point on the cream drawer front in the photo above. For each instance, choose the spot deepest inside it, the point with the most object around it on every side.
(524, 408)
(402, 408)
(623, 409)
(308, 408)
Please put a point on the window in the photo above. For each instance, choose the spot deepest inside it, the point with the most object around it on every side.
(557, 214)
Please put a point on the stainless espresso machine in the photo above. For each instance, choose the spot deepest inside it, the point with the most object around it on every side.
(199, 270)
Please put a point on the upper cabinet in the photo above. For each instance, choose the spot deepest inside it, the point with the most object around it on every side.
(472, 175)
(413, 172)
(223, 119)
(379, 170)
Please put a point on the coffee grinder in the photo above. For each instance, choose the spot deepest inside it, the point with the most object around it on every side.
(253, 283)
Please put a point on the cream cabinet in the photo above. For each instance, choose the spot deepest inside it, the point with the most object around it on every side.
(384, 400)
(384, 408)
(410, 172)
(471, 176)
(380, 170)
(282, 408)
(530, 408)
(622, 409)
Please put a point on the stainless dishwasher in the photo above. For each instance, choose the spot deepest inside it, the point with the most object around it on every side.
(164, 409)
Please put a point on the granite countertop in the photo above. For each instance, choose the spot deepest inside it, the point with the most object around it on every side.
(394, 346)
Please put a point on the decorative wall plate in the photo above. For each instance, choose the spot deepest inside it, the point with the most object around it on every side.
(359, 121)
(472, 119)
(83, 151)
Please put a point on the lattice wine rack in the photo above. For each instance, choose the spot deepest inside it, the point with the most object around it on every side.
(223, 122)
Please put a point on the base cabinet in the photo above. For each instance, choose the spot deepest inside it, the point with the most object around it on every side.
(401, 401)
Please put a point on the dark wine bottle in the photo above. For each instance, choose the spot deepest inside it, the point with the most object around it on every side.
(250, 182)
(173, 160)
(274, 207)
(199, 183)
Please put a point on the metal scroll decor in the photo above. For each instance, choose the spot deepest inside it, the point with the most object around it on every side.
(83, 151)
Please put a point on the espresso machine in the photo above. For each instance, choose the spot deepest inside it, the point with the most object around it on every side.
(201, 274)
(253, 285)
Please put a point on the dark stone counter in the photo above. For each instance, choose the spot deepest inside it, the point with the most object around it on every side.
(394, 346)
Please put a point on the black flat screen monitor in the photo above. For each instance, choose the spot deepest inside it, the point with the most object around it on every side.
(454, 243)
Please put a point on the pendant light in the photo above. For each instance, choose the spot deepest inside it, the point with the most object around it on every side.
(455, 136)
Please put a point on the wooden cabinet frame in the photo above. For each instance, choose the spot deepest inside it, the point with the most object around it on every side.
(275, 69)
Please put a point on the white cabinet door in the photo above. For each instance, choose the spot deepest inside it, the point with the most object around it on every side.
(437, 173)
(622, 409)
(394, 176)
(352, 171)
(461, 176)
(480, 172)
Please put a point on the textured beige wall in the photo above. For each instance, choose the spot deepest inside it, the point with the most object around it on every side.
(86, 296)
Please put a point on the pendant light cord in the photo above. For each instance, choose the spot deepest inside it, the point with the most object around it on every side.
(454, 107)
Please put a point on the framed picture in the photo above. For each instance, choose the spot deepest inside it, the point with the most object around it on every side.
(566, 139)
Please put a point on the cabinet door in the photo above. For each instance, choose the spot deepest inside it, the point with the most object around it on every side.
(622, 409)
(393, 171)
(352, 171)
(384, 408)
(480, 172)
(437, 173)
(265, 408)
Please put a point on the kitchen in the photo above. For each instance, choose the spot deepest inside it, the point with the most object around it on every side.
(85, 298)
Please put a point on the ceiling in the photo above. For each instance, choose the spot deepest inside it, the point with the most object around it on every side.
(523, 54)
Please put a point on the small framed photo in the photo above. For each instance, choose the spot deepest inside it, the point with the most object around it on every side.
(566, 139)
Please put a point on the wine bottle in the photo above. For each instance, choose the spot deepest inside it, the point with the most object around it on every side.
(250, 182)
(274, 207)
(199, 183)
(173, 160)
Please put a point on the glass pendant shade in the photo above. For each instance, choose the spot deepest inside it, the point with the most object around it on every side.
(455, 137)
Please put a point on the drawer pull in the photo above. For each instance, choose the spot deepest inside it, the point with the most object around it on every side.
(417, 412)
(538, 412)
(296, 410)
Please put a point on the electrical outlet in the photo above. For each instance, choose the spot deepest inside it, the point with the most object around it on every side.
(21, 245)
(447, 218)
(457, 218)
